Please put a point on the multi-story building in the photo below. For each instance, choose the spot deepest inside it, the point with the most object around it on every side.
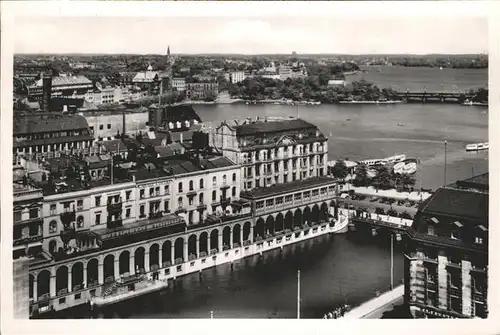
(46, 135)
(65, 87)
(235, 77)
(148, 80)
(28, 219)
(446, 263)
(179, 84)
(285, 72)
(200, 91)
(272, 151)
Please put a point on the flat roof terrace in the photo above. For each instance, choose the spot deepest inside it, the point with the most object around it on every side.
(297, 185)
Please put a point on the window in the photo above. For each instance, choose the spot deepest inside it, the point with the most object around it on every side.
(109, 125)
(151, 191)
(190, 217)
(200, 198)
(191, 185)
(52, 246)
(79, 222)
(214, 181)
(141, 194)
(180, 202)
(53, 209)
(167, 189)
(98, 201)
(224, 181)
(33, 213)
(201, 183)
(127, 213)
(234, 177)
(430, 230)
(455, 234)
(53, 227)
(431, 274)
(191, 201)
(180, 187)
(101, 127)
(454, 279)
(141, 210)
(98, 219)
(127, 195)
(214, 195)
(269, 202)
(165, 206)
(157, 190)
(79, 204)
(234, 192)
(478, 240)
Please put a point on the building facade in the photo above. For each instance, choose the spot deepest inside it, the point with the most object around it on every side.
(179, 84)
(64, 87)
(200, 91)
(446, 263)
(272, 151)
(40, 136)
(235, 77)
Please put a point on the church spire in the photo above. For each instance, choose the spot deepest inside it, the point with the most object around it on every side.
(168, 50)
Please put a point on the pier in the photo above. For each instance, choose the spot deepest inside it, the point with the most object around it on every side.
(376, 306)
(441, 97)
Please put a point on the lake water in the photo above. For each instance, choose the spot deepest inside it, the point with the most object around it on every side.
(337, 268)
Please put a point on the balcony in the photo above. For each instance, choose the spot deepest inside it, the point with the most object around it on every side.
(180, 209)
(201, 205)
(28, 240)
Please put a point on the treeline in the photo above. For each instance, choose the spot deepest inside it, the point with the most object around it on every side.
(309, 88)
(477, 62)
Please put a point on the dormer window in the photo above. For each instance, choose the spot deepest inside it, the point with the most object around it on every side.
(454, 234)
(431, 230)
(434, 220)
(478, 240)
(458, 224)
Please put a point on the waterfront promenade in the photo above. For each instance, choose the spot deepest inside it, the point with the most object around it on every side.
(371, 191)
(373, 307)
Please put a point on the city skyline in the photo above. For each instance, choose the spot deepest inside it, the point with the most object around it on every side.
(252, 36)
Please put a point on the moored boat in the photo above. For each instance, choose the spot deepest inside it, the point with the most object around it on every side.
(477, 146)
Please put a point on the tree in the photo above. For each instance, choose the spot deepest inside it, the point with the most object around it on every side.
(361, 178)
(340, 170)
(383, 178)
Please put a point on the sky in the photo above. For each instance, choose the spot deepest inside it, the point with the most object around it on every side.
(253, 35)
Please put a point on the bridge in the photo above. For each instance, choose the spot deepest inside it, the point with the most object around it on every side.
(443, 97)
(375, 221)
(374, 308)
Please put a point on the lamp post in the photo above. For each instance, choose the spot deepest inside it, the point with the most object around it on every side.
(445, 154)
(398, 238)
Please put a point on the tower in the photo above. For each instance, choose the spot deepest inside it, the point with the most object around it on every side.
(168, 51)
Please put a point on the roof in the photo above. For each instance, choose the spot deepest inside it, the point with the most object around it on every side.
(147, 76)
(479, 182)
(458, 203)
(67, 80)
(113, 146)
(297, 185)
(39, 123)
(261, 127)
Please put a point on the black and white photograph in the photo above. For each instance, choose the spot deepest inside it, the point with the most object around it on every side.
(247, 166)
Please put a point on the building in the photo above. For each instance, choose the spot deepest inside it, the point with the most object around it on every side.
(235, 77)
(28, 217)
(66, 87)
(148, 81)
(106, 124)
(173, 118)
(202, 91)
(272, 151)
(446, 263)
(285, 72)
(336, 83)
(47, 135)
(179, 84)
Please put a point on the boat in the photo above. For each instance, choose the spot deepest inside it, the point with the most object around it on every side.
(398, 167)
(477, 146)
(410, 168)
(389, 160)
(395, 159)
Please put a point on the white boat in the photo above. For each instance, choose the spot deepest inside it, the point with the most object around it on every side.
(384, 161)
(395, 159)
(477, 146)
(398, 167)
(410, 168)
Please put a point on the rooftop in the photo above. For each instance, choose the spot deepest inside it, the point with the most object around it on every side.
(479, 182)
(297, 185)
(458, 203)
(271, 126)
(41, 123)
(66, 80)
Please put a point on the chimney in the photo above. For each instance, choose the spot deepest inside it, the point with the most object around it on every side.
(181, 137)
(65, 108)
(47, 91)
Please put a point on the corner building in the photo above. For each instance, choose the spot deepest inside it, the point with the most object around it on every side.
(446, 257)
(272, 150)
